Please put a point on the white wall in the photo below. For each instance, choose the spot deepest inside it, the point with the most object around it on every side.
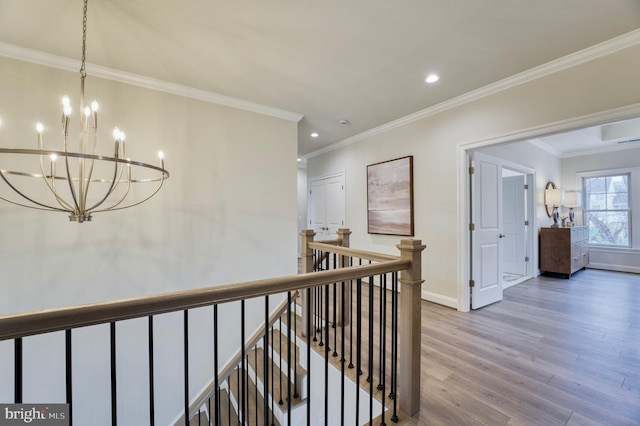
(618, 259)
(438, 142)
(546, 165)
(227, 214)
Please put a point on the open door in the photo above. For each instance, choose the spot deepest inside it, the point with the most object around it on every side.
(513, 221)
(486, 224)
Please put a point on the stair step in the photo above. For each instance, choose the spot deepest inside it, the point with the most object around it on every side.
(278, 339)
(251, 400)
(274, 374)
(226, 417)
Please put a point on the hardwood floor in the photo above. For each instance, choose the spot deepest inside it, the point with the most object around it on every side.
(553, 352)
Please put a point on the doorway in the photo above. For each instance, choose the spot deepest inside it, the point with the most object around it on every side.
(500, 232)
(517, 212)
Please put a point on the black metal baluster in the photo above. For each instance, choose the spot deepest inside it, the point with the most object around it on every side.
(380, 366)
(243, 356)
(17, 370)
(280, 402)
(335, 319)
(315, 314)
(69, 373)
(229, 398)
(350, 318)
(370, 373)
(326, 358)
(309, 292)
(152, 418)
(255, 372)
(216, 382)
(273, 378)
(288, 358)
(358, 345)
(320, 316)
(394, 346)
(185, 332)
(114, 395)
(240, 408)
(295, 349)
(383, 343)
(209, 410)
(265, 361)
(342, 358)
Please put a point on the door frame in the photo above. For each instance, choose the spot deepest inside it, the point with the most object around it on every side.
(603, 117)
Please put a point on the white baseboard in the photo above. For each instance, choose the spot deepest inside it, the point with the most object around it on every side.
(450, 302)
(617, 268)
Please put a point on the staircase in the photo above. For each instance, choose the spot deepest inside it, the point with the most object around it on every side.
(281, 381)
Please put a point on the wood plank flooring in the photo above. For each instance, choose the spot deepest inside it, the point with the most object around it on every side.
(553, 352)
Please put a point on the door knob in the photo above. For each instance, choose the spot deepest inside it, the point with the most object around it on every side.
(501, 236)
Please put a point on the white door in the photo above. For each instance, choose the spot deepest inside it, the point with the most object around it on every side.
(486, 236)
(513, 222)
(327, 206)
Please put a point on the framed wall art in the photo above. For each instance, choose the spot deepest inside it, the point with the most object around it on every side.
(390, 197)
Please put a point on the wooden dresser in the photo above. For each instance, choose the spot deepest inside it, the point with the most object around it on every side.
(564, 250)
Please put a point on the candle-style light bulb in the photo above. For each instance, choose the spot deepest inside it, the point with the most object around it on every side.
(39, 129)
(66, 110)
(65, 101)
(94, 106)
(161, 155)
(53, 157)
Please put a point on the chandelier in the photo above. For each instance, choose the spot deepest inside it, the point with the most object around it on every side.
(62, 179)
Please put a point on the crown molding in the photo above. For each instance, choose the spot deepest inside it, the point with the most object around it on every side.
(67, 64)
(599, 50)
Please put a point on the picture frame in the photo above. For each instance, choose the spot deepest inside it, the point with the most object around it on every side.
(390, 197)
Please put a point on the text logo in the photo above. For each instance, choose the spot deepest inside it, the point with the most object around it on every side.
(34, 414)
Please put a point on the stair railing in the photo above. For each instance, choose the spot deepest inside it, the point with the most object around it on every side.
(20, 326)
(386, 339)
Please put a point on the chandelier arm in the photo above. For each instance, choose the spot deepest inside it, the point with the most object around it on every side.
(92, 163)
(114, 184)
(69, 179)
(139, 202)
(42, 206)
(52, 188)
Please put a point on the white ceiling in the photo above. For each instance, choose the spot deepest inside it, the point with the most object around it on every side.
(360, 60)
(592, 140)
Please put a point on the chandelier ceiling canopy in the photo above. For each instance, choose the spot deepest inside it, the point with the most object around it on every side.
(79, 182)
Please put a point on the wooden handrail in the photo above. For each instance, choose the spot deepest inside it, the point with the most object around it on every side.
(346, 251)
(31, 323)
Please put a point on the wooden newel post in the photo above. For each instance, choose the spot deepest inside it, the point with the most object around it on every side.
(343, 287)
(307, 253)
(409, 326)
(306, 266)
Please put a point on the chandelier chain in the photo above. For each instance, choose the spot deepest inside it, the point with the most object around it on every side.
(83, 72)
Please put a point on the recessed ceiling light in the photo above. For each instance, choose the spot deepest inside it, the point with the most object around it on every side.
(344, 122)
(299, 159)
(314, 135)
(432, 78)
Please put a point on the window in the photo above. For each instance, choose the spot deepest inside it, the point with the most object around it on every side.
(607, 211)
